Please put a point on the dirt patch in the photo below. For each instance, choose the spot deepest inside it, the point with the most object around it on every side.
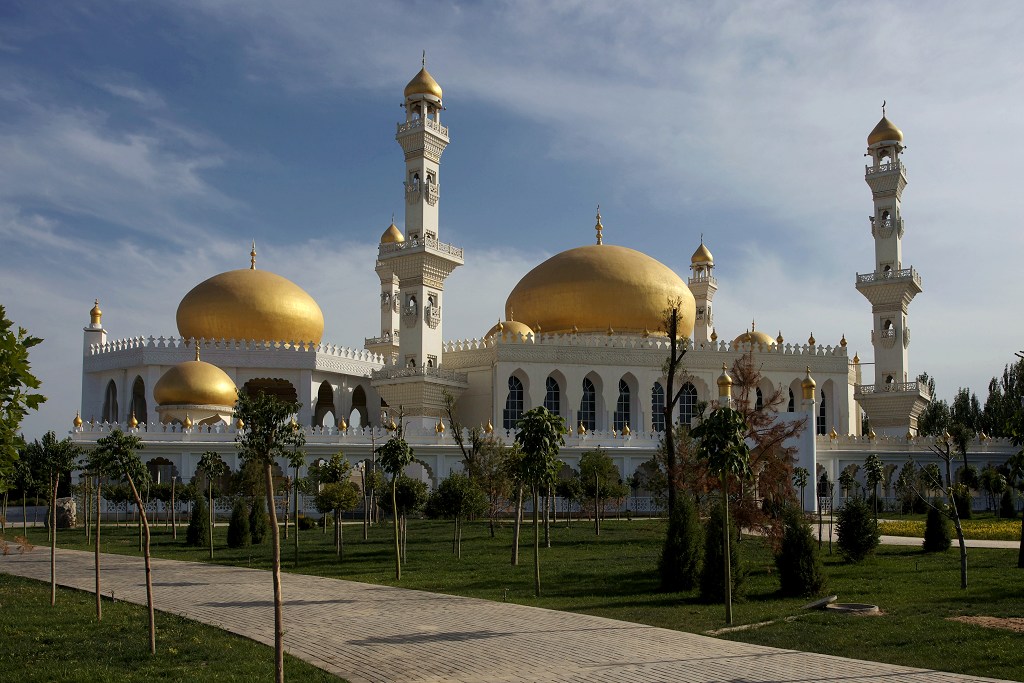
(1015, 624)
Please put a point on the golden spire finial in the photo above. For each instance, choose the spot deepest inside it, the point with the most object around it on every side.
(252, 256)
(196, 342)
(599, 227)
(423, 61)
(752, 324)
(96, 314)
(883, 108)
(511, 315)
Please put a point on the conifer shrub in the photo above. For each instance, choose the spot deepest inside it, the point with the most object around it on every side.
(259, 521)
(683, 553)
(238, 526)
(1006, 508)
(962, 500)
(306, 522)
(938, 531)
(712, 577)
(801, 573)
(856, 530)
(198, 532)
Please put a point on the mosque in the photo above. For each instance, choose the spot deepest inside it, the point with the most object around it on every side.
(583, 334)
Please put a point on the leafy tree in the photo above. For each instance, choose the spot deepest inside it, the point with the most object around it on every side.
(198, 531)
(801, 475)
(337, 497)
(938, 533)
(716, 585)
(213, 467)
(395, 455)
(946, 448)
(682, 556)
(16, 396)
(267, 436)
(98, 465)
(490, 474)
(600, 480)
(874, 472)
(116, 452)
(801, 573)
(57, 458)
(23, 477)
(456, 498)
(239, 535)
(570, 490)
(857, 533)
(906, 486)
(259, 521)
(541, 434)
(1016, 466)
(678, 345)
(410, 496)
(721, 443)
(1006, 508)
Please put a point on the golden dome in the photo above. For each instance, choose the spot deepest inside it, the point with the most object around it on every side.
(626, 431)
(811, 340)
(78, 420)
(754, 336)
(187, 424)
(702, 255)
(510, 330)
(423, 84)
(842, 342)
(594, 287)
(342, 425)
(724, 380)
(885, 130)
(239, 424)
(96, 315)
(856, 358)
(392, 235)
(439, 427)
(779, 339)
(581, 428)
(250, 304)
(489, 429)
(197, 383)
(133, 422)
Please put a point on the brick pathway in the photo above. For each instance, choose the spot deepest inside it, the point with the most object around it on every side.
(378, 633)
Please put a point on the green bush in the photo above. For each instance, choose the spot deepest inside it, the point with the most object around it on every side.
(238, 527)
(306, 523)
(962, 499)
(938, 532)
(682, 556)
(259, 521)
(856, 530)
(800, 570)
(198, 532)
(712, 577)
(1006, 508)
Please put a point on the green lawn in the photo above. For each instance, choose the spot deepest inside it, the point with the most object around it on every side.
(65, 643)
(614, 576)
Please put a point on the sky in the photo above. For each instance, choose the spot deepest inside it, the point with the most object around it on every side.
(144, 145)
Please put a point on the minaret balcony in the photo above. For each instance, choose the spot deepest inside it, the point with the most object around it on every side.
(914, 387)
(703, 279)
(421, 123)
(391, 372)
(882, 169)
(884, 229)
(427, 244)
(885, 276)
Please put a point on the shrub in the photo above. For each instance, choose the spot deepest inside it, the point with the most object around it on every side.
(238, 527)
(683, 553)
(800, 570)
(712, 577)
(938, 532)
(857, 532)
(1006, 508)
(198, 532)
(306, 523)
(962, 500)
(259, 521)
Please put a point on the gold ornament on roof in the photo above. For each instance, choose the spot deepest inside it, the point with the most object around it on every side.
(239, 424)
(714, 335)
(872, 435)
(599, 228)
(489, 428)
(343, 425)
(702, 255)
(252, 256)
(581, 429)
(96, 315)
(811, 340)
(439, 427)
(808, 385)
(132, 421)
(626, 430)
(842, 342)
(724, 382)
(833, 435)
(856, 359)
(78, 420)
(778, 340)
(392, 426)
(187, 424)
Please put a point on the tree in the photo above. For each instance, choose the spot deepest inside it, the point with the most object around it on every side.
(100, 466)
(801, 475)
(800, 570)
(678, 346)
(456, 498)
(715, 585)
(946, 448)
(490, 474)
(721, 442)
(395, 454)
(874, 472)
(212, 465)
(258, 521)
(16, 383)
(198, 531)
(541, 435)
(116, 453)
(682, 556)
(267, 436)
(337, 497)
(857, 534)
(1016, 465)
(58, 458)
(600, 480)
(937, 534)
(239, 535)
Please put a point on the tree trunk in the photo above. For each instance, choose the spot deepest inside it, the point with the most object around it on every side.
(459, 521)
(398, 547)
(278, 601)
(956, 521)
(295, 510)
(174, 519)
(455, 535)
(337, 535)
(405, 538)
(24, 513)
(53, 542)
(547, 518)
(517, 526)
(99, 601)
(212, 517)
(341, 538)
(536, 542)
(727, 553)
(1020, 553)
(144, 523)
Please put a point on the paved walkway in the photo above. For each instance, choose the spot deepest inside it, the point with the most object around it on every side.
(377, 633)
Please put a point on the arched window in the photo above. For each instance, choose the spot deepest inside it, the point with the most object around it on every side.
(759, 403)
(513, 403)
(553, 396)
(138, 405)
(588, 405)
(822, 412)
(792, 402)
(622, 416)
(658, 407)
(110, 411)
(687, 404)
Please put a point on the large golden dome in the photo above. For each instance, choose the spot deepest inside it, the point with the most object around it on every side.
(885, 130)
(250, 304)
(423, 84)
(595, 288)
(195, 382)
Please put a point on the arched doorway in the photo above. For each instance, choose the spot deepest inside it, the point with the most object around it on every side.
(324, 405)
(110, 411)
(137, 407)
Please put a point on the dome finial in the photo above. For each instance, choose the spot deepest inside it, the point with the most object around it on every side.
(96, 315)
(252, 256)
(196, 342)
(423, 63)
(883, 107)
(599, 227)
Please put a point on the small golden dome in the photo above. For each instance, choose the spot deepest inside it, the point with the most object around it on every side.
(391, 426)
(702, 255)
(626, 431)
(581, 428)
(195, 382)
(842, 342)
(96, 315)
(509, 330)
(714, 335)
(779, 340)
(239, 424)
(885, 130)
(187, 424)
(343, 425)
(489, 428)
(808, 382)
(594, 287)
(724, 382)
(392, 235)
(250, 304)
(132, 421)
(872, 435)
(811, 340)
(423, 84)
(78, 420)
(753, 336)
(856, 359)
(439, 427)
(833, 435)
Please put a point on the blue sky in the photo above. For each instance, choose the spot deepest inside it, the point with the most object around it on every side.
(143, 145)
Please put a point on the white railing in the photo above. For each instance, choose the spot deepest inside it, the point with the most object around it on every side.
(141, 342)
(884, 168)
(429, 242)
(888, 275)
(397, 372)
(891, 387)
(430, 124)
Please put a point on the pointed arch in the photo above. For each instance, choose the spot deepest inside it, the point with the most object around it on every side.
(588, 404)
(687, 404)
(658, 407)
(623, 406)
(137, 406)
(791, 407)
(324, 405)
(553, 393)
(514, 401)
(110, 411)
(359, 416)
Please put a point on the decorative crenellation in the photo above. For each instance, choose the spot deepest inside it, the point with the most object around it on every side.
(141, 342)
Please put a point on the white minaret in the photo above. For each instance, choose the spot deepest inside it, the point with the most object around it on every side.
(703, 286)
(390, 297)
(895, 401)
(414, 266)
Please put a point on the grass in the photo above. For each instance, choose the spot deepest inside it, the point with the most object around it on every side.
(45, 644)
(615, 576)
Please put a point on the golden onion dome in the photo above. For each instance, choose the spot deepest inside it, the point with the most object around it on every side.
(392, 235)
(250, 304)
(779, 339)
(594, 287)
(856, 359)
(78, 420)
(811, 340)
(239, 424)
(423, 84)
(808, 382)
(187, 424)
(133, 421)
(96, 315)
(510, 330)
(489, 429)
(702, 255)
(885, 130)
(195, 382)
(724, 380)
(714, 335)
(843, 342)
(752, 337)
